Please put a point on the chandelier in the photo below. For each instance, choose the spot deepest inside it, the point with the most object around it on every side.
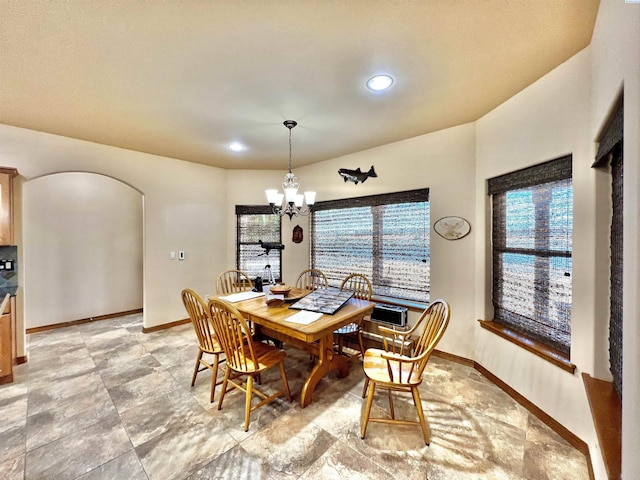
(290, 202)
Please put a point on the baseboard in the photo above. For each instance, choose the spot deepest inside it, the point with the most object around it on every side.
(164, 326)
(81, 321)
(454, 358)
(20, 360)
(545, 418)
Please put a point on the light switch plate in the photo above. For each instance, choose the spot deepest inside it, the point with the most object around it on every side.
(172, 255)
(181, 255)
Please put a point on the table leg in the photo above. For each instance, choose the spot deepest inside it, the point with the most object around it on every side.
(327, 361)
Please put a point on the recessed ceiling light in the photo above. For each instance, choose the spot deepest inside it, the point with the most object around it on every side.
(379, 82)
(236, 146)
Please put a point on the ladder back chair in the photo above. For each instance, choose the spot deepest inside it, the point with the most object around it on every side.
(245, 357)
(233, 281)
(312, 279)
(361, 288)
(395, 369)
(207, 342)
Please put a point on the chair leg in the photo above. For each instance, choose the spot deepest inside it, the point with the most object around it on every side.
(247, 404)
(364, 389)
(423, 423)
(283, 375)
(214, 379)
(360, 343)
(367, 412)
(392, 412)
(224, 387)
(195, 370)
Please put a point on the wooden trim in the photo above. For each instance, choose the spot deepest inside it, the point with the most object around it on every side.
(606, 410)
(20, 360)
(13, 172)
(164, 326)
(6, 379)
(543, 351)
(549, 421)
(454, 358)
(82, 320)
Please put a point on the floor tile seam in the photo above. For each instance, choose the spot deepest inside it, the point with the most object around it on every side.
(26, 454)
(92, 424)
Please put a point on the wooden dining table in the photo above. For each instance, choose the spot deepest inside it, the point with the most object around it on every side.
(315, 337)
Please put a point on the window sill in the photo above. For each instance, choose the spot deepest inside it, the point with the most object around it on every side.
(410, 304)
(547, 353)
(606, 411)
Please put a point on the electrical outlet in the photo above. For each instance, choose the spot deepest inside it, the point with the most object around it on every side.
(172, 255)
(207, 297)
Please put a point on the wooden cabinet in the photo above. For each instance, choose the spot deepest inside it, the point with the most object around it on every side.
(6, 340)
(6, 205)
(7, 309)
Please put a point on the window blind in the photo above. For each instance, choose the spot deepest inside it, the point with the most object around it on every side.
(256, 223)
(615, 320)
(532, 227)
(384, 237)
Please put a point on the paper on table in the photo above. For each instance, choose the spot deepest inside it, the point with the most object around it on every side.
(238, 297)
(304, 317)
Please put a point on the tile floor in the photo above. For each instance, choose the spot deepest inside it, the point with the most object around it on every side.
(104, 401)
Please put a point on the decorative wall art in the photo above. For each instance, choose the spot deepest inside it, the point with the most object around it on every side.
(452, 228)
(356, 176)
(297, 234)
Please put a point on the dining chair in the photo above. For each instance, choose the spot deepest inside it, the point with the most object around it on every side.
(233, 281)
(395, 369)
(245, 357)
(312, 279)
(361, 288)
(207, 342)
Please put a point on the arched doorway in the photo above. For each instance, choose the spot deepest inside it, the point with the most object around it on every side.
(82, 248)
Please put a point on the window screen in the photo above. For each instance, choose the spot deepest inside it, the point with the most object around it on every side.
(384, 237)
(256, 223)
(532, 244)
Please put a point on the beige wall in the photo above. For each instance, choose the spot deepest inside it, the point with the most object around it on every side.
(616, 67)
(547, 120)
(83, 238)
(191, 207)
(442, 161)
(184, 209)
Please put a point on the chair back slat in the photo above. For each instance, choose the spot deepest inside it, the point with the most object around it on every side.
(233, 281)
(312, 279)
(197, 310)
(234, 335)
(358, 284)
(435, 318)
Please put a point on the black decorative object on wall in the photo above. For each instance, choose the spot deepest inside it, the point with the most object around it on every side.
(297, 234)
(357, 175)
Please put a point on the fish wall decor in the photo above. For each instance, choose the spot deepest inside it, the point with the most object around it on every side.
(356, 176)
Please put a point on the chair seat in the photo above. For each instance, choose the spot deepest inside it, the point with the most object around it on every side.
(376, 368)
(347, 329)
(266, 357)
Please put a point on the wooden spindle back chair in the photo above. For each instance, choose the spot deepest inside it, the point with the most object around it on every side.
(207, 341)
(397, 369)
(233, 281)
(245, 357)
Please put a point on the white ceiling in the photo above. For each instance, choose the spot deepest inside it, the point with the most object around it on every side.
(185, 78)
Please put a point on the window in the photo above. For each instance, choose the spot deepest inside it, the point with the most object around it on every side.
(385, 237)
(531, 243)
(256, 223)
(610, 153)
